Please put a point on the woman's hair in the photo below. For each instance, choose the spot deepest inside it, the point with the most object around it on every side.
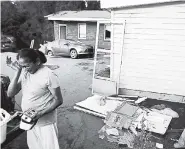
(32, 55)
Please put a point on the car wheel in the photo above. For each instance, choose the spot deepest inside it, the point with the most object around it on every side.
(50, 53)
(73, 54)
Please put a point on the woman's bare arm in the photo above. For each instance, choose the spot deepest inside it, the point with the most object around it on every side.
(58, 100)
(15, 84)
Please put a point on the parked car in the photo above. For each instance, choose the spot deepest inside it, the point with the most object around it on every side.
(8, 43)
(66, 47)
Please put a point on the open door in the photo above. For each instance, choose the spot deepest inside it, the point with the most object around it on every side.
(103, 83)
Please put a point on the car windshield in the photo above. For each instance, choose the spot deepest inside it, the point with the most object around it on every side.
(71, 41)
(66, 41)
(75, 42)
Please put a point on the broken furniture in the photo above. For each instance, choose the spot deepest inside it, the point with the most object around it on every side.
(121, 117)
(164, 124)
(124, 113)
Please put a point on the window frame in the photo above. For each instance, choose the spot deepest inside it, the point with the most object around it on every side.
(79, 30)
(106, 39)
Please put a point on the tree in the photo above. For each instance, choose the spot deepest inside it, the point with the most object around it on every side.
(25, 19)
(8, 20)
(93, 5)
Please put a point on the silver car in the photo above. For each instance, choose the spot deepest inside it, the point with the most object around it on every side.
(66, 47)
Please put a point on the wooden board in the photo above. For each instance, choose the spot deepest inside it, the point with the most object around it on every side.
(93, 104)
(89, 112)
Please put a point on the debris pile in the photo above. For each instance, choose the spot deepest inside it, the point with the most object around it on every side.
(124, 118)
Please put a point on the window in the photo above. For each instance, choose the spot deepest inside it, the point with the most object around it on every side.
(82, 31)
(107, 32)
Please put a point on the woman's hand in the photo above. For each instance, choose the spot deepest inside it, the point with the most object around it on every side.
(14, 65)
(15, 84)
(36, 117)
(34, 113)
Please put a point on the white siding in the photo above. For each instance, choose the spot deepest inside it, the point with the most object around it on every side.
(154, 49)
(126, 3)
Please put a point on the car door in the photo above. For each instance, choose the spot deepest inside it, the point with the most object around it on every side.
(64, 46)
(54, 46)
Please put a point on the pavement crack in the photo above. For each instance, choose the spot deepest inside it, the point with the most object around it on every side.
(77, 137)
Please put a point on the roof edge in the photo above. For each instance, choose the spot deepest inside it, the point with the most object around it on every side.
(105, 10)
(77, 19)
(123, 4)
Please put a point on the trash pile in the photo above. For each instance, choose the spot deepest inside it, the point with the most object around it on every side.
(124, 117)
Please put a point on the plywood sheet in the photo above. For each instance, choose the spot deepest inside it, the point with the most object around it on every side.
(93, 104)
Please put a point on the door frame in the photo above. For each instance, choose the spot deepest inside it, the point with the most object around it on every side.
(59, 29)
(112, 86)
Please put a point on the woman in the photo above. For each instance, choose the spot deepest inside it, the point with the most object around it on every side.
(40, 92)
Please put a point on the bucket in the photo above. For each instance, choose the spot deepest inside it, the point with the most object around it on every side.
(4, 119)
